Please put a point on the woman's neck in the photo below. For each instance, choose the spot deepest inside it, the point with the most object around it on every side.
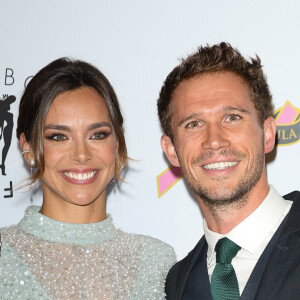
(72, 213)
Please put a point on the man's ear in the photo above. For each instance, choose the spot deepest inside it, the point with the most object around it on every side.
(169, 150)
(269, 134)
(26, 149)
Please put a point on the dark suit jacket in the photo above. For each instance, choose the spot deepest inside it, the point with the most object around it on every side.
(281, 275)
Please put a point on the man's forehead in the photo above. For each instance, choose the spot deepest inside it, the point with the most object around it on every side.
(211, 81)
(210, 87)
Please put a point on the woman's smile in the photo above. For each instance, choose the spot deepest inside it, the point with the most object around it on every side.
(82, 176)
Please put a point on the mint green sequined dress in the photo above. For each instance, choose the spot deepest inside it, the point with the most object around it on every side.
(42, 258)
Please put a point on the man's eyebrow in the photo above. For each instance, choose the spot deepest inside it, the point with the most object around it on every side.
(66, 128)
(189, 117)
(231, 108)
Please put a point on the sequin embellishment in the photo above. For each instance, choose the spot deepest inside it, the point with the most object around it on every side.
(46, 259)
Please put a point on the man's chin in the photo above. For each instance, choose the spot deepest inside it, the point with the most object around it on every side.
(220, 197)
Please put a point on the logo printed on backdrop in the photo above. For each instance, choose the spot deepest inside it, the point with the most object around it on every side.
(287, 120)
(6, 129)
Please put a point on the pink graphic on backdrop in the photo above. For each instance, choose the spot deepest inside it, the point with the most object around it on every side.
(287, 120)
(167, 179)
(287, 115)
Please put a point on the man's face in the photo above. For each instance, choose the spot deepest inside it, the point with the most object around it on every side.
(218, 141)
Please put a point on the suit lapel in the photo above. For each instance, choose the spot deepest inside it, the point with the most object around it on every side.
(198, 285)
(252, 285)
(284, 253)
(276, 270)
(191, 262)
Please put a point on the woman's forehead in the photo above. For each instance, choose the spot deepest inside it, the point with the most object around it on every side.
(81, 104)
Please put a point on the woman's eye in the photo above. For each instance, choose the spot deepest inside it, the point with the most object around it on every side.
(193, 124)
(233, 118)
(100, 135)
(58, 137)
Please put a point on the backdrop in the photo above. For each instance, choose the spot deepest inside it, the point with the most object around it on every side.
(136, 44)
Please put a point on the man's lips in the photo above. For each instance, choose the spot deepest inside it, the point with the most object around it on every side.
(222, 165)
(80, 176)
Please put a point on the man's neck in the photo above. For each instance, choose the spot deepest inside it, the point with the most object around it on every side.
(223, 219)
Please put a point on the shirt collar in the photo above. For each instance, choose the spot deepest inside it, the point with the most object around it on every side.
(252, 231)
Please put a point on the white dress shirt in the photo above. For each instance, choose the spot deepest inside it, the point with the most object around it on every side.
(252, 235)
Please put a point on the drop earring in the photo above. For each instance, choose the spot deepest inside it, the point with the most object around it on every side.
(25, 151)
(31, 174)
(31, 163)
(113, 180)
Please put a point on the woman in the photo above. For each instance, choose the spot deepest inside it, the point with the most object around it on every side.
(70, 131)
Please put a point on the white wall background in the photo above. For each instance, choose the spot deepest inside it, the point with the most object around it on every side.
(136, 44)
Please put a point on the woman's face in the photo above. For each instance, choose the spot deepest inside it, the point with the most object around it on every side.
(80, 149)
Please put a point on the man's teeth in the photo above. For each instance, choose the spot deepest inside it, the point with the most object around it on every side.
(80, 176)
(220, 165)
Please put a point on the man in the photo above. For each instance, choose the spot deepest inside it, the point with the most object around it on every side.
(216, 112)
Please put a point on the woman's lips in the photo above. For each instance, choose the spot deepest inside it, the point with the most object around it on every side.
(80, 176)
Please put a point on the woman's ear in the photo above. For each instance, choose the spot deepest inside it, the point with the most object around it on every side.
(27, 152)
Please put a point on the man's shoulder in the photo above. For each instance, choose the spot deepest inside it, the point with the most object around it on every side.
(293, 196)
(293, 220)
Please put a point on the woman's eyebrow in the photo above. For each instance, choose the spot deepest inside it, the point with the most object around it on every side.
(66, 128)
(57, 127)
(99, 125)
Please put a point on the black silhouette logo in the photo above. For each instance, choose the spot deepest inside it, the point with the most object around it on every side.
(6, 126)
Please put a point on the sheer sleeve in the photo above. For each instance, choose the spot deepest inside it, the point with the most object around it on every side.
(156, 260)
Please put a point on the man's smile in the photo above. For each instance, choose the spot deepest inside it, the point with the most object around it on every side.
(220, 165)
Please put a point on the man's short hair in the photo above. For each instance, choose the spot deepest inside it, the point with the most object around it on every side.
(214, 59)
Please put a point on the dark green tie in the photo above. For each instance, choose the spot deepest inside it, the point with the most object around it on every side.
(224, 284)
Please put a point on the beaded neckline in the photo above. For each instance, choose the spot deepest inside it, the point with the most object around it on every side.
(52, 230)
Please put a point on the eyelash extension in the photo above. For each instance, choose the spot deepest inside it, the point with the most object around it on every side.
(51, 136)
(105, 134)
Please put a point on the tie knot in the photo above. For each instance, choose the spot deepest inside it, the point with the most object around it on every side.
(226, 250)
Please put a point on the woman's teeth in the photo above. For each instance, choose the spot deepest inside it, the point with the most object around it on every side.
(80, 176)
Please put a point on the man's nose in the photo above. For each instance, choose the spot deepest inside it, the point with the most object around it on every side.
(215, 137)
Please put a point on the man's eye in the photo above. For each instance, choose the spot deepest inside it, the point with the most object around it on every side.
(193, 124)
(233, 118)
